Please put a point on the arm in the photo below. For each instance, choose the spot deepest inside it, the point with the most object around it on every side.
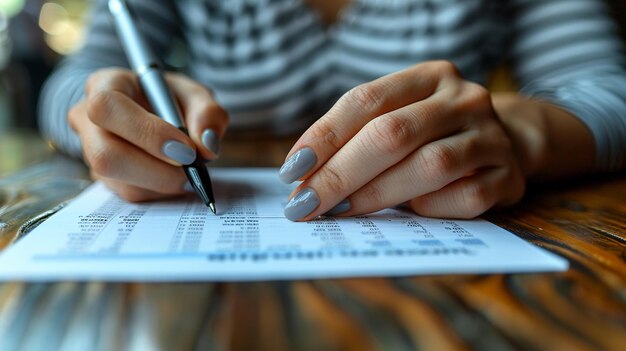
(570, 115)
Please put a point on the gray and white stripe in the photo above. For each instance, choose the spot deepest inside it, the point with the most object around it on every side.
(276, 67)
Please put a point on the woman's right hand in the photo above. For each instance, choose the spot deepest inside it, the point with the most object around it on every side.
(130, 149)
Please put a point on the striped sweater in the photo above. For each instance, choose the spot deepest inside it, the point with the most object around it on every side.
(276, 67)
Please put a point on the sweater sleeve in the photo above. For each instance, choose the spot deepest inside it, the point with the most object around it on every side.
(65, 87)
(569, 53)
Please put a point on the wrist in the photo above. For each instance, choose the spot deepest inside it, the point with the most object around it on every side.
(549, 142)
(527, 134)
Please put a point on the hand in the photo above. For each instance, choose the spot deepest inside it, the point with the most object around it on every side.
(423, 136)
(131, 150)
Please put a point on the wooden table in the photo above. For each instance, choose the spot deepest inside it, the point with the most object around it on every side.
(581, 309)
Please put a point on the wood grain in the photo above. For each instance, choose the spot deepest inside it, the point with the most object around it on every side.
(581, 309)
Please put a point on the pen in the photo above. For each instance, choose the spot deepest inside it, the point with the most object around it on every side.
(146, 66)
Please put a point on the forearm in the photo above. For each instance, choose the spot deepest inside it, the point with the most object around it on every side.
(550, 142)
(62, 90)
(568, 53)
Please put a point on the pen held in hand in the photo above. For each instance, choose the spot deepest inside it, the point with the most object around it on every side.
(146, 66)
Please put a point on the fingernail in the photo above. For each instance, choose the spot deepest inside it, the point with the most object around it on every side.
(341, 207)
(187, 187)
(302, 204)
(179, 152)
(211, 141)
(297, 165)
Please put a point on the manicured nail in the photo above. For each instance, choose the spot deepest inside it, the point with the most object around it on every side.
(302, 204)
(211, 141)
(341, 207)
(187, 187)
(297, 165)
(179, 152)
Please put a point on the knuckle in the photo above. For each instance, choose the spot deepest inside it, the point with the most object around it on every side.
(478, 198)
(146, 133)
(368, 97)
(391, 133)
(477, 93)
(100, 105)
(475, 145)
(101, 160)
(446, 68)
(438, 160)
(372, 194)
(333, 180)
(473, 99)
(493, 139)
(325, 132)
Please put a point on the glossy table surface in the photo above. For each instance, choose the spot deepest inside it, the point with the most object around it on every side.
(581, 309)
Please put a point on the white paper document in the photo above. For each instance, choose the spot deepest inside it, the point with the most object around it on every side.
(101, 237)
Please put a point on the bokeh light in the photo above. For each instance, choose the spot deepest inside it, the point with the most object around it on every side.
(62, 25)
(11, 7)
(53, 18)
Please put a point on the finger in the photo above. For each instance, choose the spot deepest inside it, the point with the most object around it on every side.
(355, 109)
(205, 119)
(130, 192)
(470, 196)
(382, 143)
(111, 157)
(115, 101)
(76, 116)
(119, 114)
(116, 79)
(108, 79)
(427, 169)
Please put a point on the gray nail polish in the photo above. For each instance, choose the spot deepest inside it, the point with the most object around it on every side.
(341, 207)
(211, 141)
(297, 165)
(302, 204)
(178, 152)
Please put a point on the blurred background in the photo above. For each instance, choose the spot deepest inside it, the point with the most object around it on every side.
(36, 34)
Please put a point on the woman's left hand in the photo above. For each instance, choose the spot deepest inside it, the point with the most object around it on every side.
(423, 136)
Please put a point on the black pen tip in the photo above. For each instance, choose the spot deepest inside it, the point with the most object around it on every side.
(199, 178)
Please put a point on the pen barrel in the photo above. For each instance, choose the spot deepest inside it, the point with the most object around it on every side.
(160, 96)
(144, 63)
(139, 53)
